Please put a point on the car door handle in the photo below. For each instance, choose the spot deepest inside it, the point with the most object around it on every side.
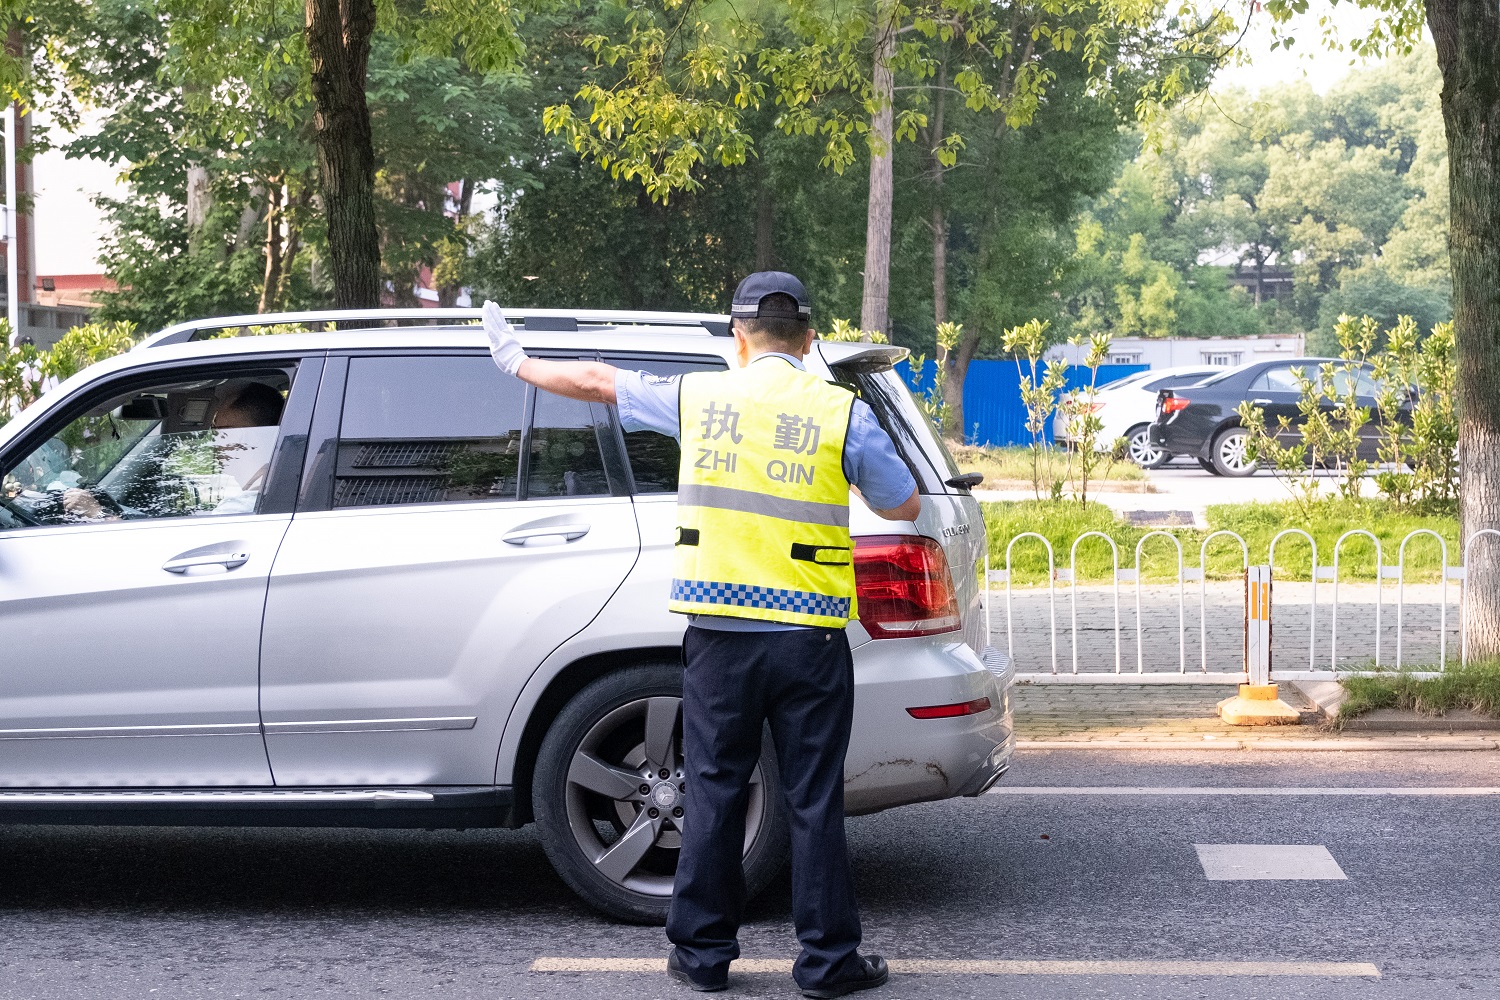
(1261, 402)
(567, 532)
(190, 560)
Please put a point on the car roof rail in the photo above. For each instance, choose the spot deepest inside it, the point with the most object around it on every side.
(536, 319)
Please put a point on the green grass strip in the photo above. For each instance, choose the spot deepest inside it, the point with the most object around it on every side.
(1063, 522)
(1475, 687)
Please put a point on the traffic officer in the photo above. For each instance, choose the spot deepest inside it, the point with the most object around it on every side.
(764, 568)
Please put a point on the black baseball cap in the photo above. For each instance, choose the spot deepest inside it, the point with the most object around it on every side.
(756, 287)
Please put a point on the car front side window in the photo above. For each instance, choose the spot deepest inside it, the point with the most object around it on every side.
(185, 448)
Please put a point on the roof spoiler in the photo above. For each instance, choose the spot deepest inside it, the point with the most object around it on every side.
(858, 357)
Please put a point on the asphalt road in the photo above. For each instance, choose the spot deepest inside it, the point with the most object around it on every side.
(158, 913)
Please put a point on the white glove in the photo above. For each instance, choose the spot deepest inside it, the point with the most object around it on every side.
(504, 347)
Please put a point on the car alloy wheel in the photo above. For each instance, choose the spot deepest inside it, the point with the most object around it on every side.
(1231, 455)
(626, 793)
(1142, 452)
(610, 796)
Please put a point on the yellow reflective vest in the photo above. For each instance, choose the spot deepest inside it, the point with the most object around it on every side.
(762, 499)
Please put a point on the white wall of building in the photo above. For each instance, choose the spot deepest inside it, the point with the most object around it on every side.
(1170, 352)
(69, 229)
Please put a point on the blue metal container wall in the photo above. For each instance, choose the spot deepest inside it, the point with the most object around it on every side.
(992, 397)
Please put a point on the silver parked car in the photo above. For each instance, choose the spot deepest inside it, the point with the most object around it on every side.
(361, 578)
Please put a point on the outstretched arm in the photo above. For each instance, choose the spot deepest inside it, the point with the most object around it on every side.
(590, 381)
(908, 510)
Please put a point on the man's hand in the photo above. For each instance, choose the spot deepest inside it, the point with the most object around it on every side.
(589, 381)
(504, 347)
(81, 505)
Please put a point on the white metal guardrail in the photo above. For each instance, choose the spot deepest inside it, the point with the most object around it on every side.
(1256, 632)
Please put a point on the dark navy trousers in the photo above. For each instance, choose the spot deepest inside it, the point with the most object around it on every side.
(802, 683)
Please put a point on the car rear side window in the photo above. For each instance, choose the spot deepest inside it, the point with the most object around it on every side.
(913, 434)
(654, 458)
(428, 430)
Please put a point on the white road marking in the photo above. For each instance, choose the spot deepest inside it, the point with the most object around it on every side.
(996, 967)
(1278, 862)
(1425, 742)
(1292, 790)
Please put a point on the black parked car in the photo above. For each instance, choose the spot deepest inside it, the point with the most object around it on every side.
(1202, 420)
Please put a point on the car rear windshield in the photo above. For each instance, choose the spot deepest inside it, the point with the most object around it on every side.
(1177, 381)
(915, 438)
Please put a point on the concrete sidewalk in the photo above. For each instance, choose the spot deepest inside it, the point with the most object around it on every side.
(1156, 716)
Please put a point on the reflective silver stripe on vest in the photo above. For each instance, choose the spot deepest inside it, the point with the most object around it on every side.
(750, 502)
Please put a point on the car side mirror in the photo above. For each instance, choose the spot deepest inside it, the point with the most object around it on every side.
(967, 481)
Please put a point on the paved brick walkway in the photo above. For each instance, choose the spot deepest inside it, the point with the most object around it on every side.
(1219, 613)
(1175, 717)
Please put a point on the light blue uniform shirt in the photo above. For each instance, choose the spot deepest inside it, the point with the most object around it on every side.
(649, 403)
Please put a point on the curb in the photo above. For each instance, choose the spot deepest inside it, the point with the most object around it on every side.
(1315, 744)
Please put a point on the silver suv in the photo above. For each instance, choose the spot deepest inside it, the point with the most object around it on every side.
(360, 578)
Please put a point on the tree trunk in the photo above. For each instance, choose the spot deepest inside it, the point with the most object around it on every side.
(200, 200)
(953, 388)
(1467, 36)
(289, 258)
(953, 374)
(939, 220)
(874, 311)
(249, 216)
(272, 283)
(338, 42)
(765, 225)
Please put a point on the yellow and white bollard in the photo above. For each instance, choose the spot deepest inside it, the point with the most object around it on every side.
(1258, 703)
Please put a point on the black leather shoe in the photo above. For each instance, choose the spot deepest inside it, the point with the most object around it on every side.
(875, 974)
(714, 985)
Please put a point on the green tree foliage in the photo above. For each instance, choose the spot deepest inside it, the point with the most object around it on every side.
(253, 237)
(26, 372)
(571, 234)
(679, 84)
(1349, 190)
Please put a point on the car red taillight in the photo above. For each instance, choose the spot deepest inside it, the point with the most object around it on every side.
(904, 587)
(953, 711)
(1174, 403)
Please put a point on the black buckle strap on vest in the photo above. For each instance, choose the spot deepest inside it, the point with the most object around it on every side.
(686, 536)
(811, 553)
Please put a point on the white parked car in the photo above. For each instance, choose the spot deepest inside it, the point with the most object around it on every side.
(1128, 406)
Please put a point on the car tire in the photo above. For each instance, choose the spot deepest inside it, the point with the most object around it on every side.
(1228, 453)
(1208, 466)
(585, 812)
(1141, 451)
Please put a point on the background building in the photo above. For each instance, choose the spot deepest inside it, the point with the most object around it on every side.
(1168, 352)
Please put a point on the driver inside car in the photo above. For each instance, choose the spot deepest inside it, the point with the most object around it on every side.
(240, 461)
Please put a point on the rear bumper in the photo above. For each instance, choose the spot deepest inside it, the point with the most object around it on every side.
(1173, 441)
(895, 759)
